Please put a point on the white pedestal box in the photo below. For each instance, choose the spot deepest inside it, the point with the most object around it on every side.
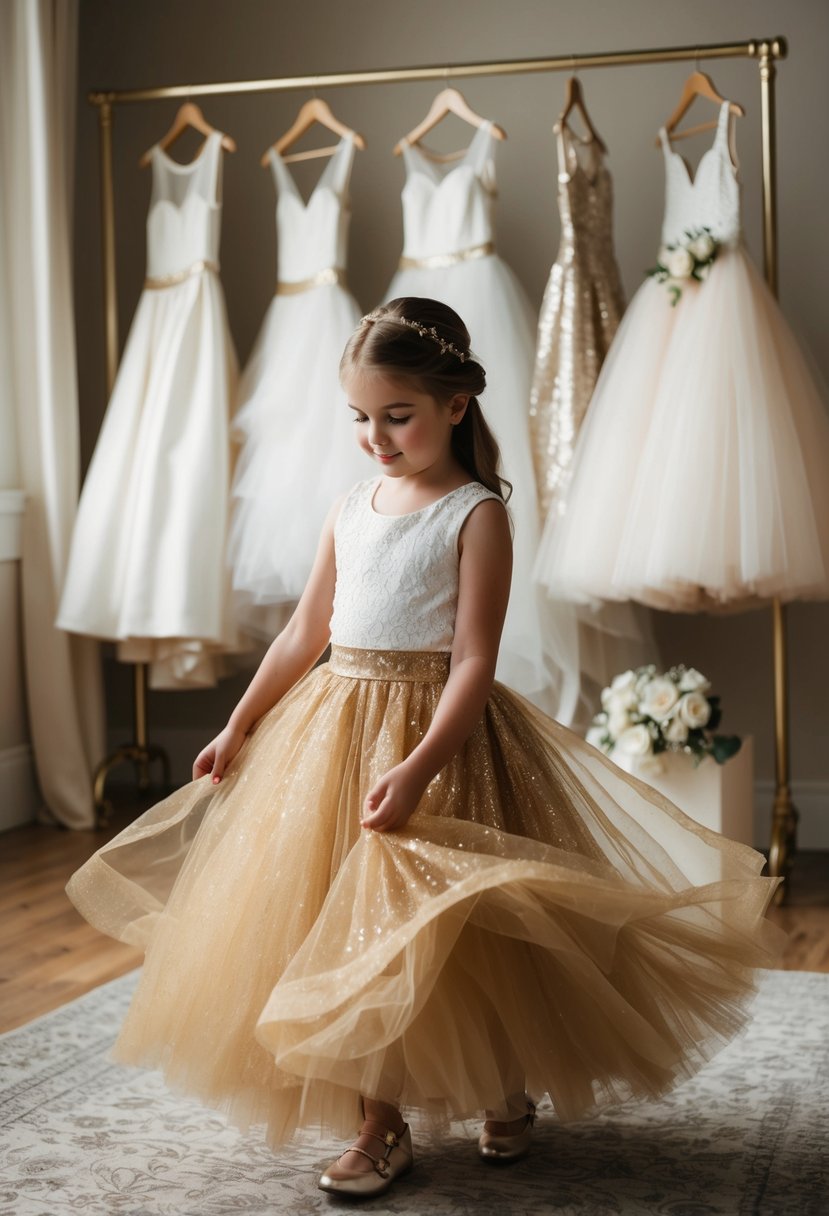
(719, 796)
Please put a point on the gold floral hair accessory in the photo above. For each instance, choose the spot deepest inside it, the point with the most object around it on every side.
(425, 331)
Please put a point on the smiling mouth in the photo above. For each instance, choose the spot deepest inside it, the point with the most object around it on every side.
(386, 455)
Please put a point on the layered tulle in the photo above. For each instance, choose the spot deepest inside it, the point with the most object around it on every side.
(700, 474)
(543, 916)
(298, 444)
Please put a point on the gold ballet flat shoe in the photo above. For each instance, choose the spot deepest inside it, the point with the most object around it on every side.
(508, 1148)
(366, 1184)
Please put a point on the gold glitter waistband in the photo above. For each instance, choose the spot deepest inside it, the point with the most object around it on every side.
(428, 666)
(448, 259)
(157, 282)
(323, 278)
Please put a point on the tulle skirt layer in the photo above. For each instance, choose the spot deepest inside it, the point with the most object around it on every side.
(298, 445)
(700, 475)
(544, 918)
(156, 496)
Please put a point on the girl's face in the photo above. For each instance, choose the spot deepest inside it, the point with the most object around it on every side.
(405, 431)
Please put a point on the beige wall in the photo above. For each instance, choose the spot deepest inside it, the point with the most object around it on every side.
(144, 42)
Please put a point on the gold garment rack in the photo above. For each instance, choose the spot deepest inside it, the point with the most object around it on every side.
(766, 51)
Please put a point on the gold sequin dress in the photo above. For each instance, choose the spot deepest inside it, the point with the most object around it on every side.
(582, 306)
(543, 915)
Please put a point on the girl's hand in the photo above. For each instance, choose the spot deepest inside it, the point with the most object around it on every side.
(215, 758)
(391, 801)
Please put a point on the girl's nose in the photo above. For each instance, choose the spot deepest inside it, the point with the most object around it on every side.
(377, 438)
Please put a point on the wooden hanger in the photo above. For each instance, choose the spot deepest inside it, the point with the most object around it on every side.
(189, 115)
(313, 111)
(697, 85)
(574, 100)
(448, 101)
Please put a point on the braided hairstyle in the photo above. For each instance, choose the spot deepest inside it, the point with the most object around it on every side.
(414, 338)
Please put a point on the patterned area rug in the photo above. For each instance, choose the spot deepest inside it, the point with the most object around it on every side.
(747, 1136)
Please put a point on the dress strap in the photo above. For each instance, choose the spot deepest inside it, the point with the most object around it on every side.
(726, 130)
(338, 170)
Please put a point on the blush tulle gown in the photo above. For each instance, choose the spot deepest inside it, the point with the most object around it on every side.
(699, 479)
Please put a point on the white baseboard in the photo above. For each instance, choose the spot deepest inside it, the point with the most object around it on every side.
(810, 797)
(20, 800)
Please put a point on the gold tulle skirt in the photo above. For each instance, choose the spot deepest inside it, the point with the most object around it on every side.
(544, 918)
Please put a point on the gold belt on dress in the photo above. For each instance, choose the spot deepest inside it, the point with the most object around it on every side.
(323, 278)
(157, 282)
(413, 666)
(448, 259)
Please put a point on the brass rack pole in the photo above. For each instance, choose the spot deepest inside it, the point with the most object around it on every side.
(138, 752)
(766, 50)
(504, 67)
(784, 815)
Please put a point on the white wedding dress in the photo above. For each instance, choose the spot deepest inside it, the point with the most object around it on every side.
(298, 445)
(701, 474)
(145, 565)
(449, 255)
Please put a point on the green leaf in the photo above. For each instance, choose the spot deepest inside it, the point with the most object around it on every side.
(723, 747)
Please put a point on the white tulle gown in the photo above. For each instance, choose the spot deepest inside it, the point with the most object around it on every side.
(449, 255)
(143, 568)
(701, 475)
(296, 431)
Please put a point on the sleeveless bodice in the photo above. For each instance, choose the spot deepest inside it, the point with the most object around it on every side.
(185, 210)
(312, 236)
(397, 575)
(451, 211)
(711, 199)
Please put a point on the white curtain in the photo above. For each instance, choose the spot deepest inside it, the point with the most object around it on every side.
(38, 53)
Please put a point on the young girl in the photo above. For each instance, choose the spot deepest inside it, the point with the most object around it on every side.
(393, 883)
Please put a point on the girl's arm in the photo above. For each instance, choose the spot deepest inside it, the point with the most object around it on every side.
(485, 572)
(291, 654)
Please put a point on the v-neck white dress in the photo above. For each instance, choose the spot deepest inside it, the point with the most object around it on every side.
(449, 254)
(298, 445)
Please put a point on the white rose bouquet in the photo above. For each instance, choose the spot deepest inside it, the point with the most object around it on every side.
(688, 259)
(645, 713)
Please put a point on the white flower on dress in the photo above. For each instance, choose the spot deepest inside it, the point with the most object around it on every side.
(694, 710)
(659, 696)
(680, 263)
(635, 741)
(702, 247)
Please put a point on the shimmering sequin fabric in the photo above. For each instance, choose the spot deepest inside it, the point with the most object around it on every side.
(581, 309)
(542, 916)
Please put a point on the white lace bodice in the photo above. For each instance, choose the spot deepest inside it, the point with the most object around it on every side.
(397, 575)
(711, 199)
(185, 210)
(313, 236)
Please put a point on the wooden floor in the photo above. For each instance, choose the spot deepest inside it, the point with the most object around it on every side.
(49, 955)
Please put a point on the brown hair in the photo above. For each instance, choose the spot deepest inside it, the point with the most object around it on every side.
(382, 344)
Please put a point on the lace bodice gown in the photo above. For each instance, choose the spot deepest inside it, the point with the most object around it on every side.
(699, 478)
(156, 496)
(542, 915)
